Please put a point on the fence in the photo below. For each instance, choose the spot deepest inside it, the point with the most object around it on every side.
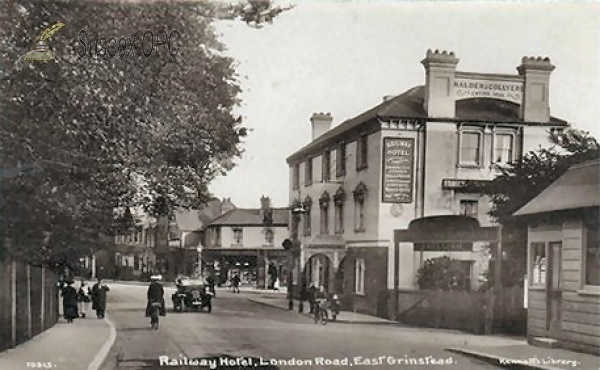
(28, 302)
(466, 311)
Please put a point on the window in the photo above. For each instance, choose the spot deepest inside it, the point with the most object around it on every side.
(341, 160)
(359, 281)
(592, 255)
(503, 148)
(470, 148)
(238, 235)
(324, 205)
(326, 166)
(296, 177)
(269, 237)
(361, 153)
(307, 216)
(308, 172)
(359, 207)
(173, 234)
(538, 264)
(338, 200)
(469, 208)
(217, 234)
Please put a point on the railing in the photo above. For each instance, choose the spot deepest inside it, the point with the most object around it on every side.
(28, 302)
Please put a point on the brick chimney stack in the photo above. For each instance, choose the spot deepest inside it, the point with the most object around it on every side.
(536, 88)
(440, 68)
(321, 123)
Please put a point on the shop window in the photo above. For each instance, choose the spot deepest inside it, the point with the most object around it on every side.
(361, 153)
(470, 148)
(469, 208)
(296, 177)
(238, 235)
(269, 237)
(592, 256)
(340, 169)
(503, 148)
(326, 166)
(308, 172)
(538, 264)
(359, 274)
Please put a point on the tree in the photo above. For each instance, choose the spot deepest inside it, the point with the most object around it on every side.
(443, 273)
(522, 181)
(111, 127)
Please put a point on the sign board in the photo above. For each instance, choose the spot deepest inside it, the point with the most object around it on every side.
(398, 168)
(443, 247)
(467, 88)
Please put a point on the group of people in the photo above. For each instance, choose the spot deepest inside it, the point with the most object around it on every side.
(76, 301)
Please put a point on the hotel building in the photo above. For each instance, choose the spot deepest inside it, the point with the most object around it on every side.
(392, 187)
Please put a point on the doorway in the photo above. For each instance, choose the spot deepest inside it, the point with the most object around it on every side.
(554, 289)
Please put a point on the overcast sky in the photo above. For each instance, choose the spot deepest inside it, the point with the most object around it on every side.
(344, 56)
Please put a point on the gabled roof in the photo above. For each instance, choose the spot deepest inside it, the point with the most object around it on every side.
(410, 105)
(578, 188)
(195, 220)
(250, 217)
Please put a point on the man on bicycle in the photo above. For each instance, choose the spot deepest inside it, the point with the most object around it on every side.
(321, 301)
(155, 294)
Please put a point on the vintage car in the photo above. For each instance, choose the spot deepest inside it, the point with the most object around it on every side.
(191, 295)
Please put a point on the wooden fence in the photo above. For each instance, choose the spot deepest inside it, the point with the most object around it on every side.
(28, 302)
(466, 311)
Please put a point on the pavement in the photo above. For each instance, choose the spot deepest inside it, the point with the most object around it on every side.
(83, 344)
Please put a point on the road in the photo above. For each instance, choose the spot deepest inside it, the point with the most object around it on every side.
(239, 328)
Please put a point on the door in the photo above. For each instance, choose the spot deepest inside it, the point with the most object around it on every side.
(554, 290)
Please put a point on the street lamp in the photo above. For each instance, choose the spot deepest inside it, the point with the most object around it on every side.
(293, 248)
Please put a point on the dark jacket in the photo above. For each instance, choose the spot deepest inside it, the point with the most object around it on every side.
(235, 280)
(69, 295)
(156, 293)
(99, 297)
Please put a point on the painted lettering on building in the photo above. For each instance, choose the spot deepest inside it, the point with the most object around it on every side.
(504, 90)
(398, 167)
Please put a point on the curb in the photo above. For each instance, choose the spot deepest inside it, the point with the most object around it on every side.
(498, 360)
(101, 356)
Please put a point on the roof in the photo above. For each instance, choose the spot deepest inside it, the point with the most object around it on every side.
(410, 105)
(577, 188)
(194, 220)
(250, 217)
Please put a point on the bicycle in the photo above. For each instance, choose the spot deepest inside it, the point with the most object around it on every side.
(321, 306)
(155, 314)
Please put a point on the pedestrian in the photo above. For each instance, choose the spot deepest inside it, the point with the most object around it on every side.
(69, 295)
(312, 290)
(84, 296)
(155, 293)
(210, 281)
(235, 283)
(99, 298)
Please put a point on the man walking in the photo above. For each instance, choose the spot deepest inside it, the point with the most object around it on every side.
(235, 283)
(83, 298)
(99, 298)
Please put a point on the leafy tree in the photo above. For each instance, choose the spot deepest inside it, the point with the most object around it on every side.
(443, 273)
(522, 181)
(105, 130)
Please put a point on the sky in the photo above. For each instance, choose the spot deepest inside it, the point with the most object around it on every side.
(342, 57)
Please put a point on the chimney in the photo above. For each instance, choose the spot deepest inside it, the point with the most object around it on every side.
(536, 87)
(227, 205)
(321, 123)
(440, 68)
(265, 203)
(388, 97)
(265, 211)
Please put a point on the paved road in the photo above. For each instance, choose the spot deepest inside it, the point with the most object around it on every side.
(239, 328)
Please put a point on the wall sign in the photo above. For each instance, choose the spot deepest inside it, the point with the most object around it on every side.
(398, 167)
(466, 88)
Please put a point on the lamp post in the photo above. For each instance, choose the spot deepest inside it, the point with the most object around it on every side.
(293, 248)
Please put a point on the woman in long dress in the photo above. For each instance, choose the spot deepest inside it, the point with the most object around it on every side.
(69, 295)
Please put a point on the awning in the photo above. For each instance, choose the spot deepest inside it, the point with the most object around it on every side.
(446, 229)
